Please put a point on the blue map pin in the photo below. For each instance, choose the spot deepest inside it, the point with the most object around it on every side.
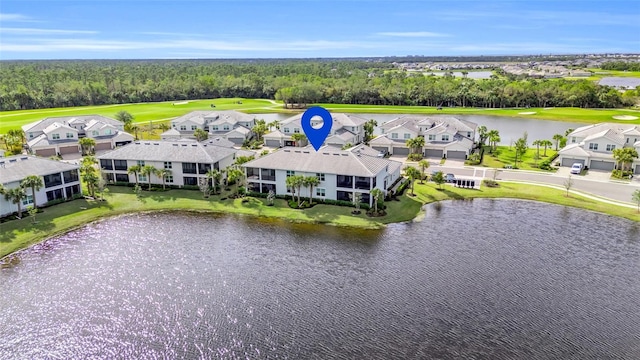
(316, 136)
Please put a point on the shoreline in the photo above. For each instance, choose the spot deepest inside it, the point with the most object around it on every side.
(63, 218)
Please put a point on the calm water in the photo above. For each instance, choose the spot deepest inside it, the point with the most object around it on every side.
(510, 128)
(482, 279)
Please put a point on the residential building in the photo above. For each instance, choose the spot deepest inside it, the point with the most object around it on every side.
(593, 145)
(60, 135)
(61, 180)
(341, 172)
(187, 160)
(445, 136)
(346, 129)
(232, 125)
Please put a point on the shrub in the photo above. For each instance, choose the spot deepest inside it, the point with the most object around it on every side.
(414, 157)
(490, 183)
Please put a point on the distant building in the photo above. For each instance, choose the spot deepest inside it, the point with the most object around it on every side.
(232, 125)
(346, 129)
(620, 83)
(61, 180)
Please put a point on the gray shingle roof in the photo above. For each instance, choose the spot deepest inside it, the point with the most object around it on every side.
(324, 161)
(83, 119)
(16, 168)
(178, 151)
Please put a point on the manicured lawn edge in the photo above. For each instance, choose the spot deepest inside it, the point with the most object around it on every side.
(61, 218)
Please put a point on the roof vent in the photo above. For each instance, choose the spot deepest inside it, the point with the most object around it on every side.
(305, 152)
(174, 144)
(184, 145)
(156, 143)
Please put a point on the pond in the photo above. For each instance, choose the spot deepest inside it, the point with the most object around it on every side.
(510, 128)
(481, 279)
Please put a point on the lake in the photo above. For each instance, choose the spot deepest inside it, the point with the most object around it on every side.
(481, 279)
(510, 128)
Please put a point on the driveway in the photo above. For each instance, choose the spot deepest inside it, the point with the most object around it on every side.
(599, 175)
(454, 163)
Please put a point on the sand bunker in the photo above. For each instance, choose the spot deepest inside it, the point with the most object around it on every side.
(180, 103)
(527, 113)
(625, 117)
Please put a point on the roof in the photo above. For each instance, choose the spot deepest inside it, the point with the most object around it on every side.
(194, 116)
(415, 121)
(573, 150)
(276, 134)
(219, 142)
(171, 132)
(40, 125)
(96, 124)
(632, 131)
(364, 150)
(179, 151)
(348, 119)
(16, 168)
(56, 126)
(382, 140)
(609, 134)
(620, 82)
(324, 161)
(228, 116)
(43, 141)
(586, 131)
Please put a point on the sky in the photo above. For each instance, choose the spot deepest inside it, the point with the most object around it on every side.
(136, 29)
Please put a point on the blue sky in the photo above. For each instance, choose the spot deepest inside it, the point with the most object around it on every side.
(119, 29)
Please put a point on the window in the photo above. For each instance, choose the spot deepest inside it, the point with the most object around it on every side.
(140, 162)
(214, 127)
(190, 168)
(320, 176)
(107, 132)
(142, 178)
(286, 130)
(573, 139)
(183, 127)
(95, 133)
(69, 135)
(193, 128)
(593, 146)
(445, 137)
(394, 135)
(296, 130)
(120, 164)
(290, 173)
(30, 135)
(55, 136)
(122, 178)
(628, 140)
(70, 176)
(225, 127)
(468, 134)
(432, 137)
(106, 164)
(28, 200)
(610, 147)
(320, 192)
(407, 136)
(168, 165)
(168, 179)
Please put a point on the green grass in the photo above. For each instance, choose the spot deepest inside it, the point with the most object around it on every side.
(164, 111)
(57, 219)
(505, 155)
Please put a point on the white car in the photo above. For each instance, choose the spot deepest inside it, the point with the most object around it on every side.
(576, 168)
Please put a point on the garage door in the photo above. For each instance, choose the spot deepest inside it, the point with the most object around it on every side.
(103, 146)
(602, 165)
(400, 151)
(637, 169)
(381, 149)
(571, 161)
(457, 155)
(433, 153)
(272, 143)
(237, 141)
(68, 149)
(46, 152)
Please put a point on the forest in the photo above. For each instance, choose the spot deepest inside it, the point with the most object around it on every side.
(49, 84)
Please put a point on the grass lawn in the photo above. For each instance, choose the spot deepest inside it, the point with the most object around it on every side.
(164, 111)
(57, 219)
(505, 155)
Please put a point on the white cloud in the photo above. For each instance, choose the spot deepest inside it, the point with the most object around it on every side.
(412, 34)
(5, 17)
(163, 33)
(35, 31)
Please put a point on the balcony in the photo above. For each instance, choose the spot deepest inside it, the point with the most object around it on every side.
(253, 174)
(363, 183)
(268, 174)
(344, 181)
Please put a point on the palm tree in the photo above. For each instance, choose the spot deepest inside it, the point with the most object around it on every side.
(164, 126)
(546, 144)
(2, 189)
(215, 175)
(260, 128)
(18, 134)
(413, 174)
(369, 127)
(200, 135)
(298, 138)
(424, 164)
(35, 183)
(557, 138)
(482, 134)
(235, 175)
(636, 197)
(87, 144)
(147, 171)
(537, 143)
(91, 179)
(376, 194)
(163, 174)
(16, 195)
(624, 156)
(415, 144)
(135, 169)
(310, 182)
(494, 139)
(274, 124)
(295, 183)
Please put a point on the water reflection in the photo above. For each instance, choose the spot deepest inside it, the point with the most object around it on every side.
(496, 279)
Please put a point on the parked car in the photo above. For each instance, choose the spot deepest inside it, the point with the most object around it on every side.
(576, 168)
(450, 178)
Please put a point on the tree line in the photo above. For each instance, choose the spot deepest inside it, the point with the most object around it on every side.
(46, 84)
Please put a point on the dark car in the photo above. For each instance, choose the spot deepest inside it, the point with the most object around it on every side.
(450, 178)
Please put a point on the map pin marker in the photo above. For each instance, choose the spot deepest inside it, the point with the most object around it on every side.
(316, 136)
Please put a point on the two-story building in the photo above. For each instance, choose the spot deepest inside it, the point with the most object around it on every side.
(445, 136)
(341, 172)
(593, 145)
(187, 161)
(60, 135)
(232, 125)
(346, 129)
(61, 180)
